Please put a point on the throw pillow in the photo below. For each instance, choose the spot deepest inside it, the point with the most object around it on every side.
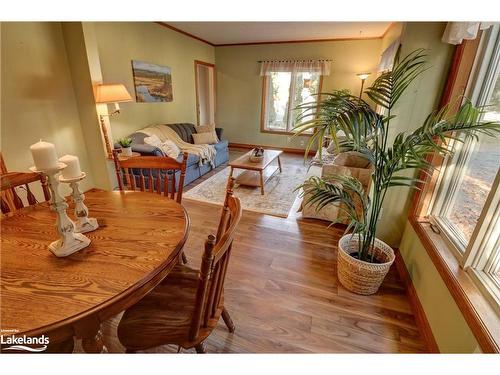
(352, 159)
(207, 129)
(332, 147)
(205, 138)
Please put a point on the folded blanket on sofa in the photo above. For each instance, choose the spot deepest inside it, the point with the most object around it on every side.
(206, 153)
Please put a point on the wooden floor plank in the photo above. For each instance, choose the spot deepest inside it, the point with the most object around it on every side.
(283, 294)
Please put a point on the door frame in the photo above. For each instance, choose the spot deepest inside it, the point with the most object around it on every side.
(196, 63)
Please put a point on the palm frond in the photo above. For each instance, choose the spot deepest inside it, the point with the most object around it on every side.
(390, 85)
(367, 132)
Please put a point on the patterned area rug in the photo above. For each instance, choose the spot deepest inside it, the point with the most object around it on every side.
(278, 197)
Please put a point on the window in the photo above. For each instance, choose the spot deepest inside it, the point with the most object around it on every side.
(286, 85)
(466, 203)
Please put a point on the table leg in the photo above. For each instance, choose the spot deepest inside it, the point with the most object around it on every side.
(279, 163)
(261, 183)
(90, 333)
(66, 346)
(94, 343)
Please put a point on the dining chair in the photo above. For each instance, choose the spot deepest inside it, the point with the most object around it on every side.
(185, 307)
(152, 173)
(12, 182)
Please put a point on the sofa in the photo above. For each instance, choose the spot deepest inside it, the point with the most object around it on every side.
(185, 130)
(347, 164)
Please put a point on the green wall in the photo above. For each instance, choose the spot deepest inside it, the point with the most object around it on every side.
(37, 96)
(121, 42)
(48, 73)
(450, 330)
(420, 98)
(83, 59)
(239, 86)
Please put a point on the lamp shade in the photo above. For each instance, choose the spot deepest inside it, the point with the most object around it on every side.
(113, 93)
(363, 76)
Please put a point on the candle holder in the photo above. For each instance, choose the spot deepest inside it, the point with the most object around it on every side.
(83, 223)
(69, 241)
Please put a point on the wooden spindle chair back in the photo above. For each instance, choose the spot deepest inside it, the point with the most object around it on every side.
(214, 265)
(150, 169)
(11, 182)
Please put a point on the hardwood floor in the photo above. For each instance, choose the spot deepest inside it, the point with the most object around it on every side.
(283, 295)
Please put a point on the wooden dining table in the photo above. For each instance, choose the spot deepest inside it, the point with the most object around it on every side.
(138, 242)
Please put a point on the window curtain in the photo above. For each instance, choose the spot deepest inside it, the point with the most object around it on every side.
(317, 66)
(388, 56)
(456, 32)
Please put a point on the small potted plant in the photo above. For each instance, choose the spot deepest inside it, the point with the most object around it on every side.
(363, 259)
(126, 143)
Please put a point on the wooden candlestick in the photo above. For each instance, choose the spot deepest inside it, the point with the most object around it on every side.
(84, 223)
(69, 241)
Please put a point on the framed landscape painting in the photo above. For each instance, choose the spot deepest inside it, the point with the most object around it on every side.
(153, 83)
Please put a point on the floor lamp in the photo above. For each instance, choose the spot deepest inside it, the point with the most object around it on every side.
(111, 93)
(362, 77)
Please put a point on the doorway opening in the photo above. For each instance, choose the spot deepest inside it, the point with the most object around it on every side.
(205, 92)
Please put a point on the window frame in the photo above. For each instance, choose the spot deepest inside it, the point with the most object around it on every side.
(263, 111)
(466, 285)
(471, 254)
(454, 168)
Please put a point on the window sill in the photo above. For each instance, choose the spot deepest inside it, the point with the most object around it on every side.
(283, 133)
(476, 309)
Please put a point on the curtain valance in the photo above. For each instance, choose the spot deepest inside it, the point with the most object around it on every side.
(456, 32)
(388, 56)
(317, 66)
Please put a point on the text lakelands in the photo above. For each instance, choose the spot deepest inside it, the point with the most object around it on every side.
(23, 340)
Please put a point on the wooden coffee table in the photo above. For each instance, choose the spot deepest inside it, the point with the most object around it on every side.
(256, 174)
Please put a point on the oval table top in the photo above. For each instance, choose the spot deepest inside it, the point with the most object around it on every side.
(140, 235)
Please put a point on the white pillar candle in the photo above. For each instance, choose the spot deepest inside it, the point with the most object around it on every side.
(72, 169)
(44, 155)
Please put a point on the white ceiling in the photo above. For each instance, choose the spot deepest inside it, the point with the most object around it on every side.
(249, 32)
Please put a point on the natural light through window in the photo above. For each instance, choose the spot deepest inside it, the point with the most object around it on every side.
(284, 91)
(466, 204)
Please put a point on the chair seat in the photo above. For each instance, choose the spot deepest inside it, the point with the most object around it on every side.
(164, 315)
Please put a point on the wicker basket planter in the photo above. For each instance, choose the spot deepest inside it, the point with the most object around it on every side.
(358, 276)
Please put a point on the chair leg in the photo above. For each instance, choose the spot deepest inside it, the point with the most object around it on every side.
(227, 319)
(200, 348)
(184, 258)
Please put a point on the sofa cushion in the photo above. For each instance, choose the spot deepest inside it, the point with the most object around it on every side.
(138, 137)
(219, 132)
(352, 159)
(332, 147)
(191, 160)
(335, 170)
(185, 131)
(222, 145)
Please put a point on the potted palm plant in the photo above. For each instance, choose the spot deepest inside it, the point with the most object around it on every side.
(363, 259)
